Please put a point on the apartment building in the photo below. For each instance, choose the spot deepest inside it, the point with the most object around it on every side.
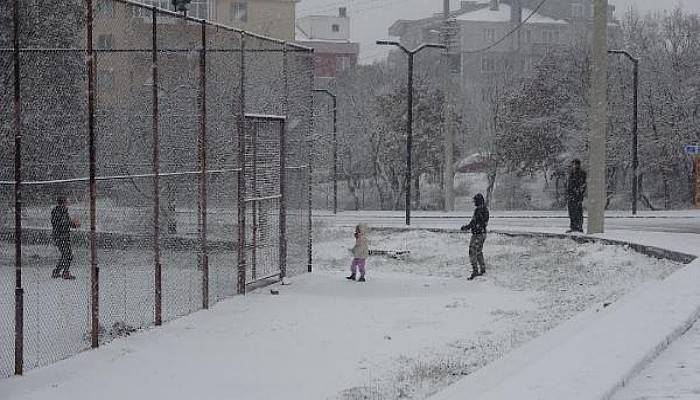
(329, 36)
(477, 29)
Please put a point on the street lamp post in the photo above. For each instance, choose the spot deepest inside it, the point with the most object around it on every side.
(409, 119)
(335, 146)
(635, 126)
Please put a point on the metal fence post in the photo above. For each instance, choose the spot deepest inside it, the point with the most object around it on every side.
(255, 203)
(335, 155)
(409, 140)
(635, 139)
(94, 275)
(203, 165)
(309, 159)
(158, 273)
(19, 291)
(241, 173)
(283, 168)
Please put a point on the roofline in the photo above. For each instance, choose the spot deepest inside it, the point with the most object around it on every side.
(214, 24)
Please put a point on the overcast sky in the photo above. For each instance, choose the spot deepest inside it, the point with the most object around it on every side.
(370, 19)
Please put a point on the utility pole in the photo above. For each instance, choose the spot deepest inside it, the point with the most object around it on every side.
(598, 121)
(448, 178)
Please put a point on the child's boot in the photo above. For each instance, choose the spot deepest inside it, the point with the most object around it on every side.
(362, 279)
(351, 277)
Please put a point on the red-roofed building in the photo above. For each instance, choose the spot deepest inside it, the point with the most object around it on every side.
(329, 36)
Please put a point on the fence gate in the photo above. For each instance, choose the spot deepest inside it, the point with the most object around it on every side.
(264, 197)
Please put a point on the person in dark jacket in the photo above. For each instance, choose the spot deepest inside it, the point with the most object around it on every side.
(576, 191)
(60, 234)
(478, 228)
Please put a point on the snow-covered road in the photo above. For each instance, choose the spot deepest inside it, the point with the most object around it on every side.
(554, 221)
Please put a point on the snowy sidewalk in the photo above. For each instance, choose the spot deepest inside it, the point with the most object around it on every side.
(675, 375)
(319, 336)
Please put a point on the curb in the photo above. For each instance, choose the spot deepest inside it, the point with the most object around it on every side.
(650, 251)
(654, 353)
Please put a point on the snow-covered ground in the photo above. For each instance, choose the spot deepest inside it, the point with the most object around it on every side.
(57, 322)
(414, 327)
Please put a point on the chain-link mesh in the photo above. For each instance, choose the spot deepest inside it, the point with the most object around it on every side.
(165, 110)
(263, 197)
(299, 167)
(223, 86)
(7, 212)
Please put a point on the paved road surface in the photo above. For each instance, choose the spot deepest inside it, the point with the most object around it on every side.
(672, 222)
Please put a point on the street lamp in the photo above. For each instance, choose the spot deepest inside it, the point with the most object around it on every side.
(409, 120)
(335, 146)
(635, 126)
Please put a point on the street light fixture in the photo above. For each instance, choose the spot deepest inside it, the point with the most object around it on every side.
(635, 127)
(409, 120)
(335, 146)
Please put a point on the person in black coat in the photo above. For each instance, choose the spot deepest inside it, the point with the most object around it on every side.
(60, 234)
(576, 191)
(478, 228)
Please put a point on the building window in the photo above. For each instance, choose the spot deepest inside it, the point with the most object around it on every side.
(335, 28)
(105, 8)
(488, 64)
(342, 64)
(146, 13)
(199, 9)
(104, 42)
(550, 37)
(528, 36)
(489, 35)
(578, 11)
(455, 62)
(105, 80)
(239, 11)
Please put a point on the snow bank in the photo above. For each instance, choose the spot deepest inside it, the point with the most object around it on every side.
(595, 353)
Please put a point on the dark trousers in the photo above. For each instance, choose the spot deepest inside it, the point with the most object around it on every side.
(66, 256)
(576, 215)
(476, 252)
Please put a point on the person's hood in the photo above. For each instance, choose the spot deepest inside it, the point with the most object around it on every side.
(479, 200)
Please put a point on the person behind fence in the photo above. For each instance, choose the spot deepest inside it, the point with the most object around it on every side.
(478, 228)
(575, 192)
(360, 252)
(61, 224)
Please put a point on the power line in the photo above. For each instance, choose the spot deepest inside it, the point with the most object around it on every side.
(507, 35)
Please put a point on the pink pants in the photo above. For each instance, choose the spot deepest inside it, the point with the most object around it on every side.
(358, 262)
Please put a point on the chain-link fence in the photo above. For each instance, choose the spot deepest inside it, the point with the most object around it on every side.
(145, 173)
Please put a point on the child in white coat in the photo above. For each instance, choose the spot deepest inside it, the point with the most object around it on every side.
(360, 252)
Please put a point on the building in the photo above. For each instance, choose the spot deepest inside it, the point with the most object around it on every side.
(273, 18)
(121, 26)
(476, 30)
(329, 36)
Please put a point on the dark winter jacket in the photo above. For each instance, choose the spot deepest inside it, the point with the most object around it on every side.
(480, 219)
(60, 224)
(576, 186)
